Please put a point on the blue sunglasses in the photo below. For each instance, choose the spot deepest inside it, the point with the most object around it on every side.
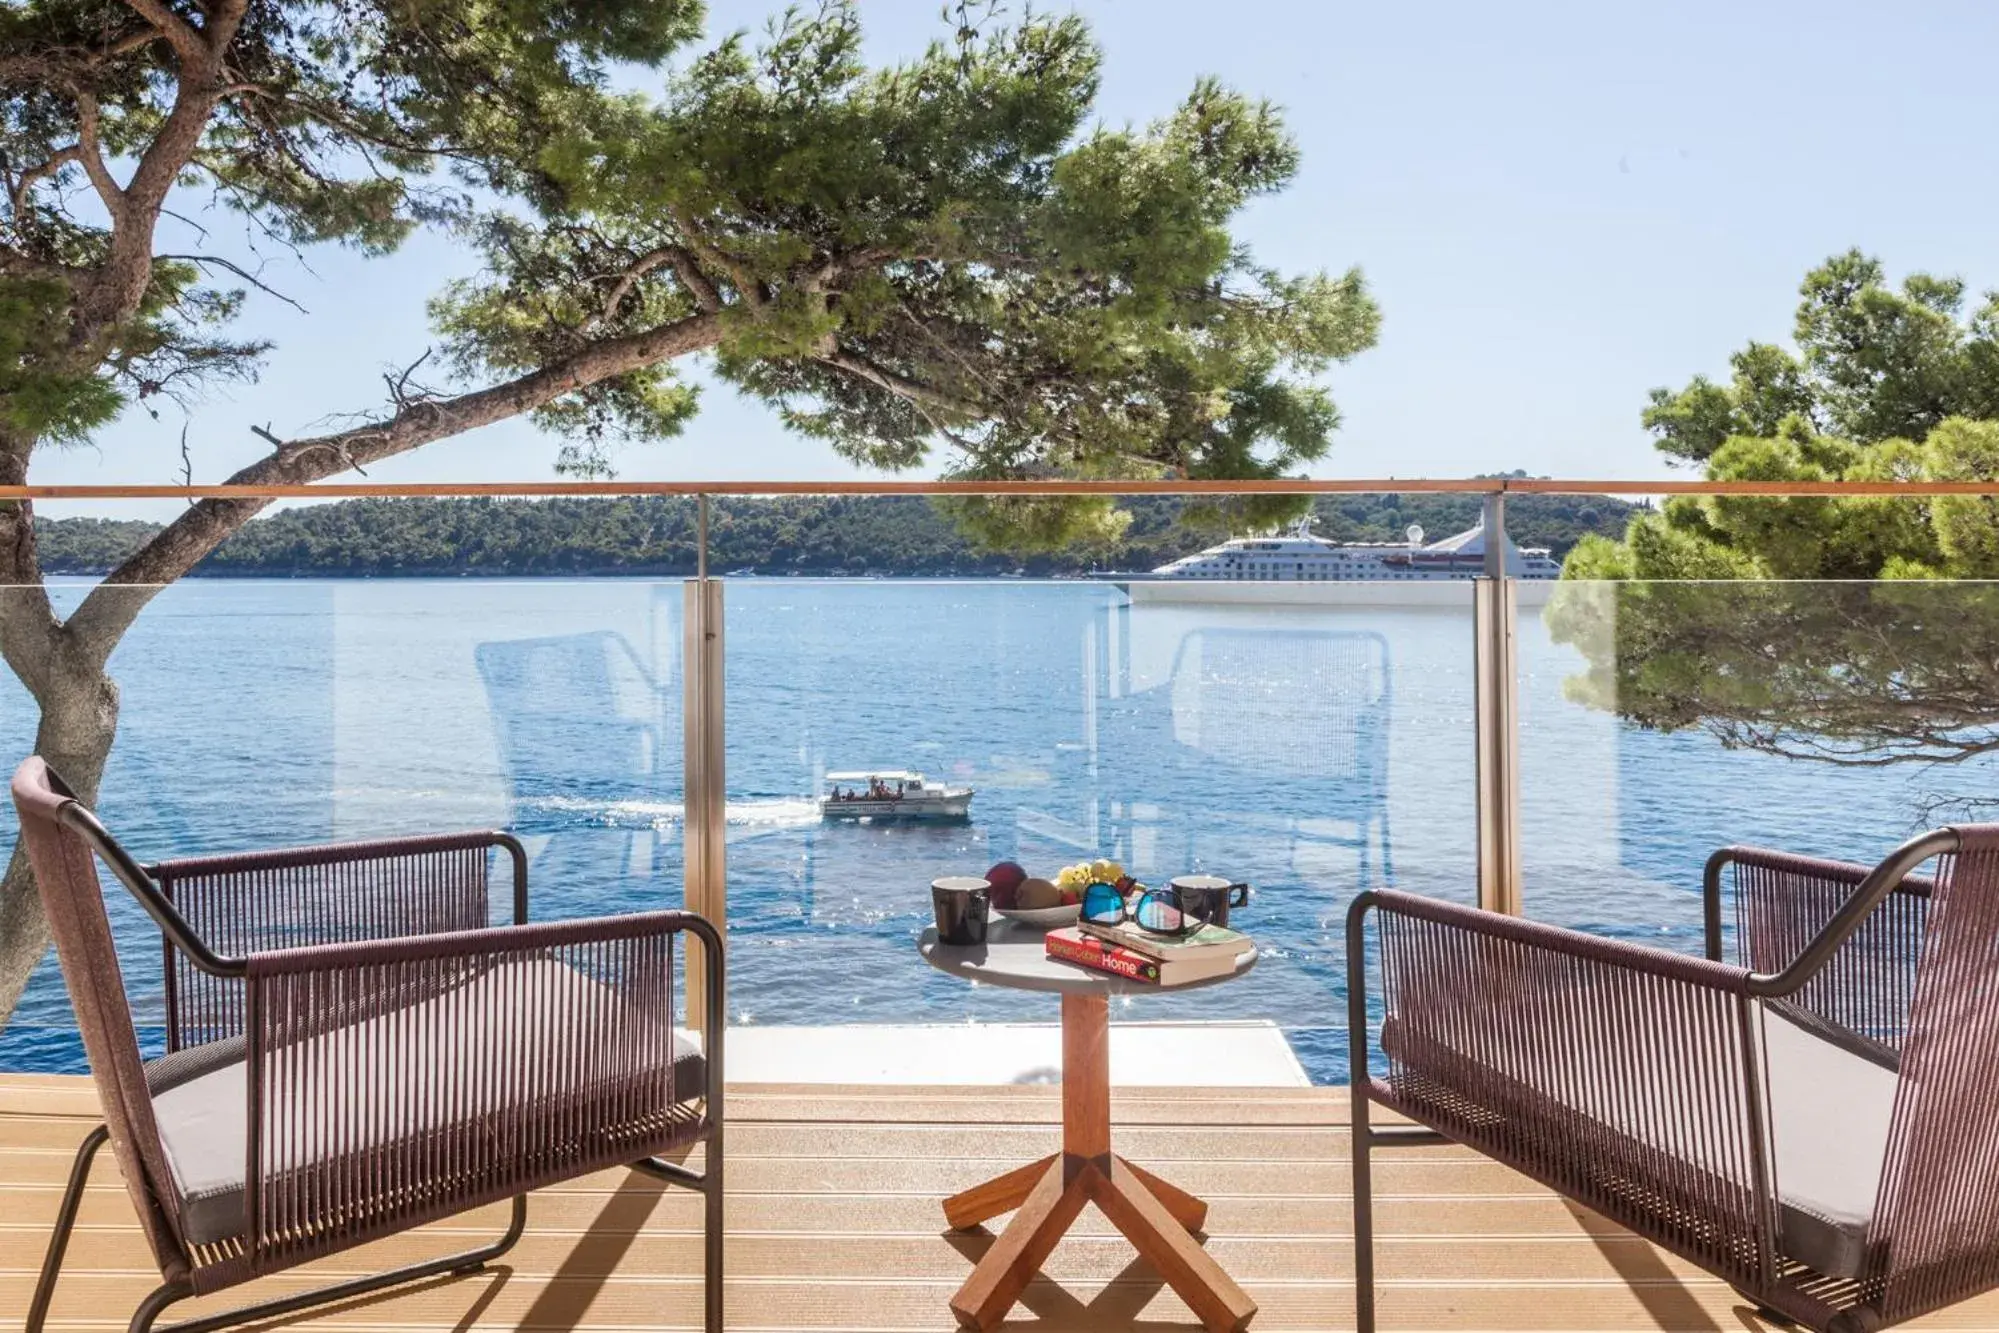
(1157, 911)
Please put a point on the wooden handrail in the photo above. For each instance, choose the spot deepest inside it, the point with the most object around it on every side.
(349, 490)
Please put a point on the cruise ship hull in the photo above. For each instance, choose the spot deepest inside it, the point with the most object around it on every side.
(1444, 593)
(1299, 569)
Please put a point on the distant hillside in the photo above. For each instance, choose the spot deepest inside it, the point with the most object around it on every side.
(802, 535)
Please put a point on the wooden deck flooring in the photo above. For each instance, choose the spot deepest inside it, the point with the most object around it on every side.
(834, 1223)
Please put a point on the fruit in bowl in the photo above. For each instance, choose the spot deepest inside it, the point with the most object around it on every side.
(1006, 879)
(1039, 903)
(1085, 873)
(1034, 893)
(1076, 879)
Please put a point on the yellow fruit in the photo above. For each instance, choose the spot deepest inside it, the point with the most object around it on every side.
(1106, 871)
(1037, 893)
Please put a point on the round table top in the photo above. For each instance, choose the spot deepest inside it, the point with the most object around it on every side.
(1014, 956)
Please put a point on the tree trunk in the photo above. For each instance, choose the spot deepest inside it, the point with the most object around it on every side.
(79, 706)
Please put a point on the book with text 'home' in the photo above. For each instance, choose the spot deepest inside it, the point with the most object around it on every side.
(1073, 945)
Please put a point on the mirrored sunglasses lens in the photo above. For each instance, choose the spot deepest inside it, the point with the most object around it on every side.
(1103, 904)
(1160, 914)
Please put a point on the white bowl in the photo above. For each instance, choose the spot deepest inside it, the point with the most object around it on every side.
(1043, 918)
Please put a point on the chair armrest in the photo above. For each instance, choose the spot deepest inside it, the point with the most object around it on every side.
(1539, 935)
(394, 1081)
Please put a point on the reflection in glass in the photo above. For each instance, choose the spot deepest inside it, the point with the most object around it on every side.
(1662, 720)
(1267, 743)
(1263, 743)
(1271, 732)
(567, 732)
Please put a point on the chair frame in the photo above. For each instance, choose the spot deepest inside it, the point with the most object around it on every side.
(1782, 1295)
(141, 882)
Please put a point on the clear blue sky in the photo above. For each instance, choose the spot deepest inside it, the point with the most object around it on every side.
(1558, 206)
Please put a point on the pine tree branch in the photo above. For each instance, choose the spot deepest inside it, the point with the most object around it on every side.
(902, 386)
(748, 289)
(92, 158)
(110, 608)
(699, 289)
(231, 266)
(41, 171)
(186, 41)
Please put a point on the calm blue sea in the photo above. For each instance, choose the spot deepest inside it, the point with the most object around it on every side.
(1310, 752)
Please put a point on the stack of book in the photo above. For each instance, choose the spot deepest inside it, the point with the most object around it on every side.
(1138, 955)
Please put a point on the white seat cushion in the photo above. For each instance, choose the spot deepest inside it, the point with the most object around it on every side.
(1830, 1107)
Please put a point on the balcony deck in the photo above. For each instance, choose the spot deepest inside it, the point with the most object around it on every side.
(834, 1224)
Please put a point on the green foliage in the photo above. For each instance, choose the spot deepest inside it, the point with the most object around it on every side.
(345, 123)
(1864, 674)
(1965, 528)
(832, 535)
(939, 253)
(40, 397)
(49, 393)
(1884, 385)
(936, 253)
(1872, 363)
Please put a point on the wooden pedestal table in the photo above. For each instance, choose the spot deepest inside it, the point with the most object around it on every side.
(1046, 1196)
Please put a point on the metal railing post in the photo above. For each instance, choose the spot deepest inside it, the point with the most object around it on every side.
(1497, 703)
(705, 785)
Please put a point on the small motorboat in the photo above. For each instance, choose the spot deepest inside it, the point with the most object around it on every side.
(898, 794)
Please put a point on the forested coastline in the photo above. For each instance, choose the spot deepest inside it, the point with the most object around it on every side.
(815, 535)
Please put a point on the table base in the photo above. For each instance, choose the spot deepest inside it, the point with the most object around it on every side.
(1156, 1217)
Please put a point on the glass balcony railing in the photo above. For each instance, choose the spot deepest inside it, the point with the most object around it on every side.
(1313, 739)
(268, 713)
(1661, 721)
(1307, 749)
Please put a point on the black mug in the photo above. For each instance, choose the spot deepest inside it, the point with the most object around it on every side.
(962, 904)
(1209, 897)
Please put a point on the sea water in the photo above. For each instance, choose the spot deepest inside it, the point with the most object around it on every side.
(1310, 751)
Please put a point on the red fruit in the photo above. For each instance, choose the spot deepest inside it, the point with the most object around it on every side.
(1006, 879)
(1072, 897)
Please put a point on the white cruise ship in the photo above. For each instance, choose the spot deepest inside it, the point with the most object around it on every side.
(1299, 556)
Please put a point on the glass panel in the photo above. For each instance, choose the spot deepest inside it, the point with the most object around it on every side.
(258, 714)
(1664, 720)
(1309, 739)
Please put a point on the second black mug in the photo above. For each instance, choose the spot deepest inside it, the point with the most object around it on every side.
(1209, 897)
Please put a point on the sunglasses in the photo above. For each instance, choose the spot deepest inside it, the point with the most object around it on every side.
(1156, 911)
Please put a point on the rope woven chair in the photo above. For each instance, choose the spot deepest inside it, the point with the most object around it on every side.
(353, 1052)
(1814, 1119)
